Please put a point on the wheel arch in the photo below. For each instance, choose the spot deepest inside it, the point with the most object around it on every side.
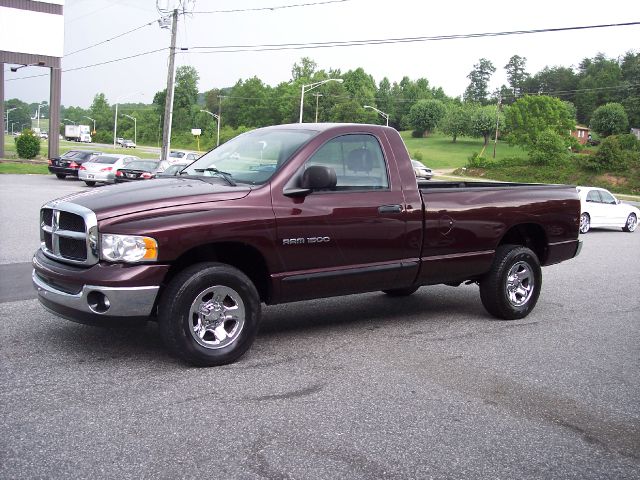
(530, 235)
(246, 258)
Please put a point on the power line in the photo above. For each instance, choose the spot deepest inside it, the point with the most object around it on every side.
(110, 39)
(279, 7)
(94, 64)
(351, 43)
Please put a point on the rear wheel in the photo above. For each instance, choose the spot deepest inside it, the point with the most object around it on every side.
(209, 314)
(631, 223)
(585, 223)
(89, 184)
(400, 292)
(61, 176)
(511, 288)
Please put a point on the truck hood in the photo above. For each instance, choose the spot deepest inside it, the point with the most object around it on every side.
(148, 195)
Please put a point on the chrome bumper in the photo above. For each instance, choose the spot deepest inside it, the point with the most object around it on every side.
(123, 302)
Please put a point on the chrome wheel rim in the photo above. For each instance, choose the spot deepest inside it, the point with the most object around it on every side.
(632, 223)
(520, 284)
(217, 316)
(584, 223)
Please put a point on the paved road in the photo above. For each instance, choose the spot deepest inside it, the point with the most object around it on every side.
(357, 387)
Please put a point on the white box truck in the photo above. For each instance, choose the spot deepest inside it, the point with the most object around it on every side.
(77, 133)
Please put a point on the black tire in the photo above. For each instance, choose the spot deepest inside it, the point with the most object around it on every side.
(401, 292)
(585, 222)
(631, 223)
(518, 300)
(182, 317)
(90, 184)
(61, 176)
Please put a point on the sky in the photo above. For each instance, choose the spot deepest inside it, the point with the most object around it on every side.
(445, 64)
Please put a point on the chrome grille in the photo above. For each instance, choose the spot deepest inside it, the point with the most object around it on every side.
(67, 233)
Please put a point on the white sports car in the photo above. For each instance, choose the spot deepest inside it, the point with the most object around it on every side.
(598, 208)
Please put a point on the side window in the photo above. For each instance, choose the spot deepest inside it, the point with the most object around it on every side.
(357, 160)
(593, 196)
(607, 198)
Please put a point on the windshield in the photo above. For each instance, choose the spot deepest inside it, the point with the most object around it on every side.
(252, 157)
(173, 169)
(106, 159)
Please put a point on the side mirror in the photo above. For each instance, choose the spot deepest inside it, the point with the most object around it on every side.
(318, 177)
(315, 177)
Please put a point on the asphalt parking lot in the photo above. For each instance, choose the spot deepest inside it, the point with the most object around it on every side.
(364, 386)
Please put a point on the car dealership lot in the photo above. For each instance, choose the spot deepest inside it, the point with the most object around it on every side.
(355, 387)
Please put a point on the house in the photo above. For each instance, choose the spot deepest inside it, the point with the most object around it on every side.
(583, 134)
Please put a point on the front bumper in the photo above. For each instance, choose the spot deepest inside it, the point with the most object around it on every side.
(104, 294)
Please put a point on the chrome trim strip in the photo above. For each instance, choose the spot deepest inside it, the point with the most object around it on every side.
(124, 301)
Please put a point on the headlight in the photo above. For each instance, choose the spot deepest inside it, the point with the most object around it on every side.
(128, 248)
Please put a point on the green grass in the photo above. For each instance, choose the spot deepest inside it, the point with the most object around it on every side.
(438, 151)
(23, 168)
(10, 149)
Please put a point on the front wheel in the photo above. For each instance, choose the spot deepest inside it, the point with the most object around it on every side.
(631, 223)
(209, 314)
(585, 223)
(511, 288)
(61, 176)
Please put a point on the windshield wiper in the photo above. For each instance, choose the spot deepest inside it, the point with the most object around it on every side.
(225, 175)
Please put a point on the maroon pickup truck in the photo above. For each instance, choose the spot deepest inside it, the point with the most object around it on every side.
(288, 213)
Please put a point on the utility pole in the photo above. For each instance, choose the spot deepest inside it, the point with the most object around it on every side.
(495, 140)
(317, 95)
(168, 104)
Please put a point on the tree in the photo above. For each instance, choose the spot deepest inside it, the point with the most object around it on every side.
(630, 68)
(555, 82)
(457, 121)
(599, 78)
(304, 70)
(101, 111)
(425, 115)
(549, 147)
(530, 116)
(484, 121)
(20, 116)
(516, 74)
(610, 119)
(477, 90)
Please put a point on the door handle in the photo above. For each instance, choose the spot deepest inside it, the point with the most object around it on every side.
(390, 209)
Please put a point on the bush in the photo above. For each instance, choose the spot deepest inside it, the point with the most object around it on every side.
(610, 155)
(478, 161)
(417, 155)
(548, 148)
(27, 145)
(628, 141)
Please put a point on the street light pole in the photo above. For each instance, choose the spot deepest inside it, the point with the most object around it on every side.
(384, 115)
(94, 123)
(311, 86)
(43, 105)
(7, 122)
(135, 128)
(66, 119)
(217, 117)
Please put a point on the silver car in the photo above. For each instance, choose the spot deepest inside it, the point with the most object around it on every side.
(103, 168)
(421, 171)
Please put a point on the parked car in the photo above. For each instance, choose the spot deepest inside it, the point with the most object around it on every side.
(69, 163)
(44, 135)
(175, 155)
(137, 170)
(102, 169)
(119, 141)
(421, 172)
(599, 208)
(128, 144)
(172, 170)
